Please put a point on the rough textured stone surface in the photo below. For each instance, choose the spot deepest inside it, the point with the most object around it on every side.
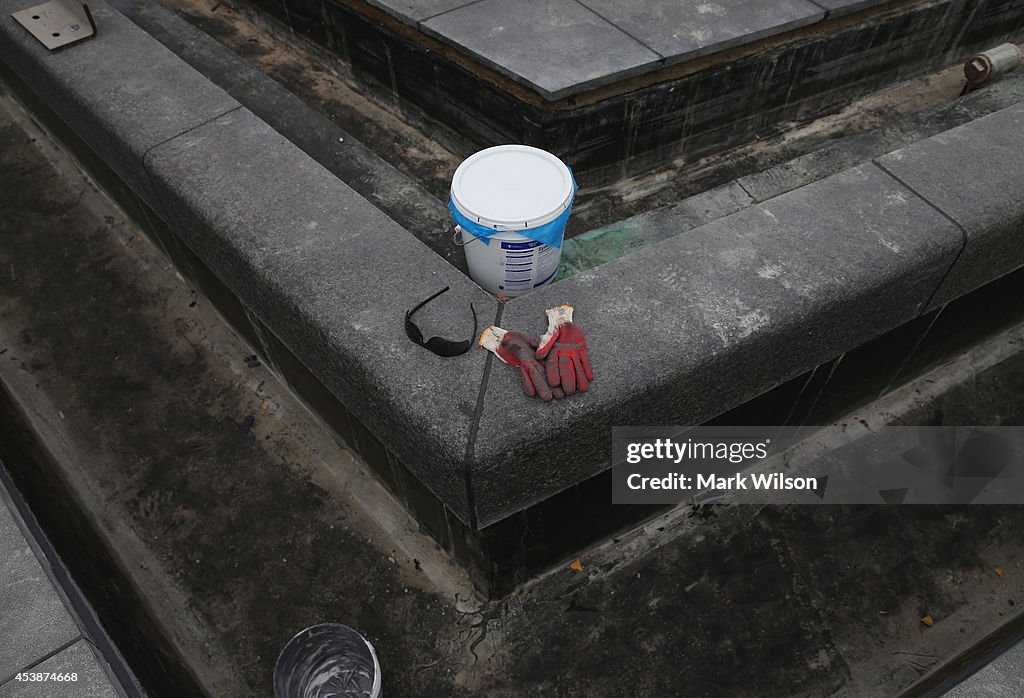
(33, 620)
(970, 173)
(320, 137)
(827, 161)
(113, 89)
(896, 132)
(556, 46)
(78, 659)
(701, 208)
(683, 30)
(686, 328)
(331, 276)
(413, 11)
(841, 7)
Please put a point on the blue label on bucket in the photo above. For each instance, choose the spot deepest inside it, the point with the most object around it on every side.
(520, 245)
(524, 263)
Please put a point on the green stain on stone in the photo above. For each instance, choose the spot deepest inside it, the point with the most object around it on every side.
(594, 248)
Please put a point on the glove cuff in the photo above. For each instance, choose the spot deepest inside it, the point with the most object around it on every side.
(557, 316)
(491, 338)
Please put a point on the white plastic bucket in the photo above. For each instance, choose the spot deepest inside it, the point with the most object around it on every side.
(512, 189)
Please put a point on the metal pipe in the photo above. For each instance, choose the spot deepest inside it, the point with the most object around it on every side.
(992, 64)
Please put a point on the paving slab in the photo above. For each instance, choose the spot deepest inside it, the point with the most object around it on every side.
(34, 621)
(78, 661)
(555, 46)
(712, 318)
(331, 276)
(683, 30)
(414, 11)
(969, 173)
(112, 87)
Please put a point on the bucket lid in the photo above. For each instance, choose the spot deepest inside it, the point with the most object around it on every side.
(512, 187)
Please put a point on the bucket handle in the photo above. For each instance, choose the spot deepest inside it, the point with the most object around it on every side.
(457, 237)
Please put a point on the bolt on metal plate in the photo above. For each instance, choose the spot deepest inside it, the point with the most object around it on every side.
(57, 24)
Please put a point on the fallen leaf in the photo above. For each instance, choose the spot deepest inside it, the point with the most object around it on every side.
(928, 621)
(576, 565)
(998, 571)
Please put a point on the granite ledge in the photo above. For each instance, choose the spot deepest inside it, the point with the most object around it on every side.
(121, 90)
(683, 330)
(332, 276)
(973, 174)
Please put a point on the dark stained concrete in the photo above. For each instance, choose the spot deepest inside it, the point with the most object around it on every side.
(226, 532)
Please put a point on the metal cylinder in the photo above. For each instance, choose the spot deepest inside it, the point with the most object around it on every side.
(993, 63)
(327, 661)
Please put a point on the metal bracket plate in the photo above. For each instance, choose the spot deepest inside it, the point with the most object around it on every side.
(57, 24)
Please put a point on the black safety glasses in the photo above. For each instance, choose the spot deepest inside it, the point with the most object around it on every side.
(437, 345)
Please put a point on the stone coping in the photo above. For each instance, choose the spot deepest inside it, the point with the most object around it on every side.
(679, 331)
(563, 47)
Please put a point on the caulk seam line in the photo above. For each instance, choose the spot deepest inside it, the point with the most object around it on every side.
(963, 231)
(753, 199)
(961, 228)
(158, 191)
(454, 9)
(474, 428)
(49, 655)
(153, 147)
(827, 12)
(661, 56)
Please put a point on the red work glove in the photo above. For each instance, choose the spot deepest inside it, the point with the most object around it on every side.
(520, 350)
(566, 350)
